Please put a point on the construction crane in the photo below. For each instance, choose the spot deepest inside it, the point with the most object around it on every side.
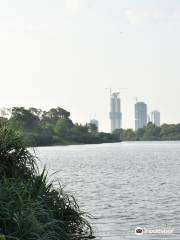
(110, 90)
(137, 98)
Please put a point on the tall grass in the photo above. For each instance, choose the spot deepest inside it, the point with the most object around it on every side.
(31, 208)
(15, 160)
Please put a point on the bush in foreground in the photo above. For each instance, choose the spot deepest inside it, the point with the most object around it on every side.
(30, 207)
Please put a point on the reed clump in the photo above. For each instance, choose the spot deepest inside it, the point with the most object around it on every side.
(31, 208)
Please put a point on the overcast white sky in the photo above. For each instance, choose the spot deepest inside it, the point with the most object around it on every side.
(66, 52)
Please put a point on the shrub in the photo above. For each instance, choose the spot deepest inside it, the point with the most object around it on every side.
(31, 208)
(15, 160)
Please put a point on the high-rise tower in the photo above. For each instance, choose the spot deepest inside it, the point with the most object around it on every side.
(155, 118)
(140, 115)
(115, 112)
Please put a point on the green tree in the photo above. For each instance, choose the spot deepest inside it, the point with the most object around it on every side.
(62, 127)
(151, 133)
(129, 135)
(139, 134)
(170, 132)
(118, 134)
(54, 114)
(23, 119)
(93, 128)
(36, 111)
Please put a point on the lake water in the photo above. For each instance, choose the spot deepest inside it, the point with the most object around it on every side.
(123, 185)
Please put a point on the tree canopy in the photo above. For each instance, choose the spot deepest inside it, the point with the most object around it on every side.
(52, 127)
(150, 133)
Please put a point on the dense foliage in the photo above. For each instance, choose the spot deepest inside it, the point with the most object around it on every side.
(30, 207)
(52, 127)
(150, 133)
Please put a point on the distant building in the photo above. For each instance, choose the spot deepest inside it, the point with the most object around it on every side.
(155, 118)
(140, 115)
(115, 111)
(95, 122)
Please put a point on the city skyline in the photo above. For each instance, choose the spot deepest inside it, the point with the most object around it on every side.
(141, 114)
(66, 53)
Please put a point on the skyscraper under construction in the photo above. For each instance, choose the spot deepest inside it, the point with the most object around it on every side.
(115, 111)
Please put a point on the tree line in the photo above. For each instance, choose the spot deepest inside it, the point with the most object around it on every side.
(52, 127)
(167, 132)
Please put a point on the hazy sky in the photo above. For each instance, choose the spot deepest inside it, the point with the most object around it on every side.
(67, 52)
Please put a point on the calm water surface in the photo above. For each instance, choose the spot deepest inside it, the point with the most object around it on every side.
(123, 185)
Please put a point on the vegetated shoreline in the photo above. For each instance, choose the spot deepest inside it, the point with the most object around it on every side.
(31, 207)
(84, 144)
(55, 127)
(73, 144)
(166, 132)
